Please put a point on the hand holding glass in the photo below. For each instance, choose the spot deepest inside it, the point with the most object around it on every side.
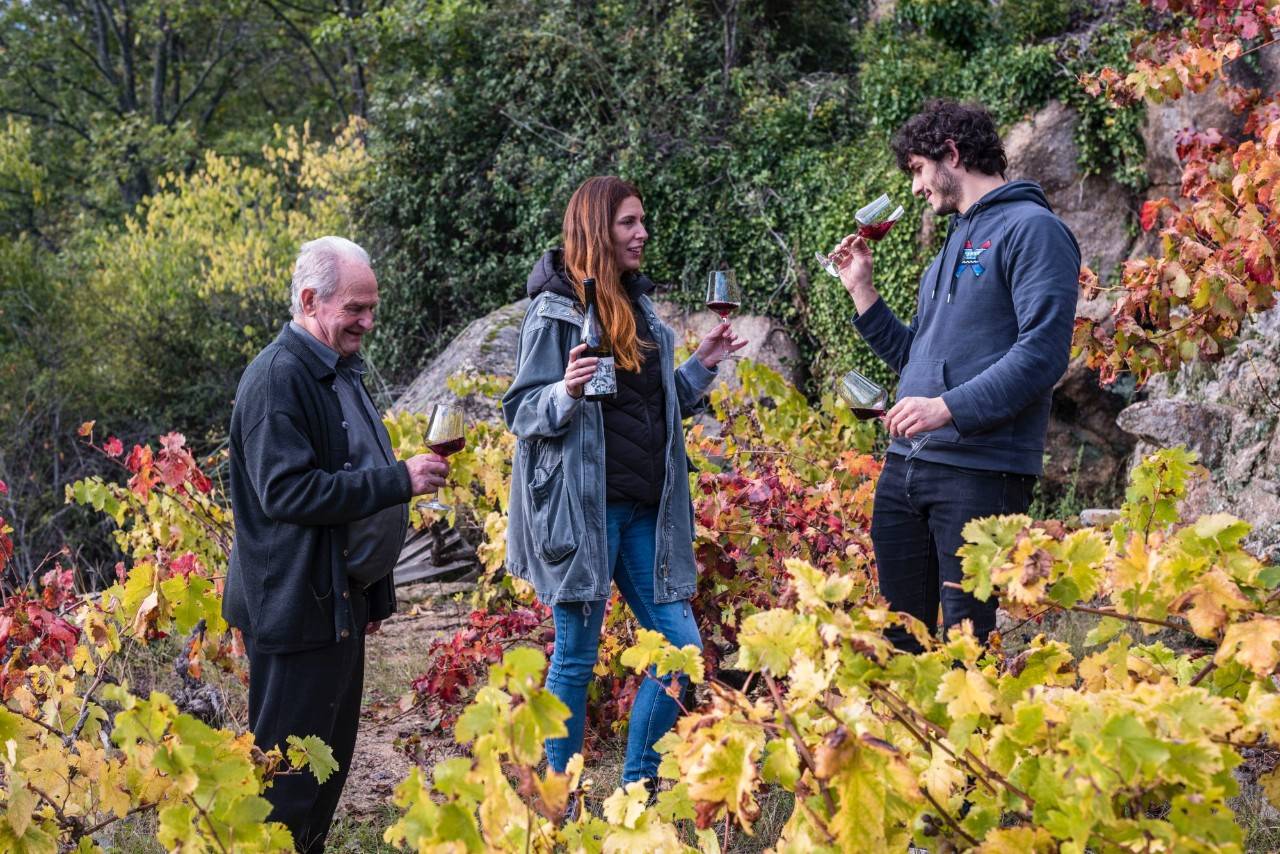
(445, 436)
(874, 221)
(867, 398)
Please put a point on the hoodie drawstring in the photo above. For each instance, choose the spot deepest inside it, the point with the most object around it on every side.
(968, 231)
(942, 260)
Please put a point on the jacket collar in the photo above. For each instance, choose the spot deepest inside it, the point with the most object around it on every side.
(293, 342)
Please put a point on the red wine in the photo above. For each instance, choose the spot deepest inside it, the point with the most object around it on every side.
(724, 309)
(448, 446)
(864, 413)
(877, 230)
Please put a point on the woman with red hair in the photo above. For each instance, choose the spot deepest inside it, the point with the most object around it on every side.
(600, 489)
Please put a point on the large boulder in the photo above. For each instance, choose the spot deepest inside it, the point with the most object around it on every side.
(1087, 453)
(488, 346)
(1229, 413)
(1096, 209)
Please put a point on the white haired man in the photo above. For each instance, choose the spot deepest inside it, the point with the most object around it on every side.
(321, 507)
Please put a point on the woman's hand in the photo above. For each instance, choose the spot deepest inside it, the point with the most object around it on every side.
(579, 371)
(719, 343)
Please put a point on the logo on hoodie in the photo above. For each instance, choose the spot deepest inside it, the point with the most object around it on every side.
(972, 258)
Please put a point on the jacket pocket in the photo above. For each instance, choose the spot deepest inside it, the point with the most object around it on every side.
(549, 501)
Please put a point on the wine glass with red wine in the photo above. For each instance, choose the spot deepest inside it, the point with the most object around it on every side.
(874, 221)
(445, 436)
(723, 294)
(866, 397)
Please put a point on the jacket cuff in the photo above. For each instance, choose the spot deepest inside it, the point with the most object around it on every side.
(963, 412)
(874, 320)
(700, 377)
(404, 482)
(563, 404)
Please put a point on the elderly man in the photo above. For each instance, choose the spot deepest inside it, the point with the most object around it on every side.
(321, 508)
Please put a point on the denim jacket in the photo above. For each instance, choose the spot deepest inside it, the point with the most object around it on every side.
(556, 527)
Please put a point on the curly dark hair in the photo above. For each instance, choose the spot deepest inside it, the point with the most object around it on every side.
(969, 126)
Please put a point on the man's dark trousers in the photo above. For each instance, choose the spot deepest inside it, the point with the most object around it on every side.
(313, 692)
(920, 510)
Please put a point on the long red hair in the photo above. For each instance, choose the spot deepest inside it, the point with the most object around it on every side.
(589, 253)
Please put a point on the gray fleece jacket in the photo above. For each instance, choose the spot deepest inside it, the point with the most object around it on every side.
(991, 334)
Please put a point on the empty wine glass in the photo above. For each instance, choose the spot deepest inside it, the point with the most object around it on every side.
(723, 293)
(445, 436)
(866, 397)
(874, 221)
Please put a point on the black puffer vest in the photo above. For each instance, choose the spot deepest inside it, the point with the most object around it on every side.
(635, 432)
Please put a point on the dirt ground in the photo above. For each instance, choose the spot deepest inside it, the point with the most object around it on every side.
(390, 738)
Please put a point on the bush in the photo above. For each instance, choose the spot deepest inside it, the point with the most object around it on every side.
(961, 24)
(1030, 20)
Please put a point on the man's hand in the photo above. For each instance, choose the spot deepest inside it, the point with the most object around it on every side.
(913, 415)
(372, 627)
(427, 473)
(853, 259)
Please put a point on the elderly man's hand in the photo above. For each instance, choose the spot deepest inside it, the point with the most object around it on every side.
(427, 473)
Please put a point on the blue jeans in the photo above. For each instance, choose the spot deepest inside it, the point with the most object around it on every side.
(631, 535)
(920, 510)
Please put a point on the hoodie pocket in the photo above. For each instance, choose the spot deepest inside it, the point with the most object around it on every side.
(927, 378)
(550, 502)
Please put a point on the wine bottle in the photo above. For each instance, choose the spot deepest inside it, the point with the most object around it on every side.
(603, 384)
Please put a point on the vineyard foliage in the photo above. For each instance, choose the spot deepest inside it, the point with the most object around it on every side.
(1129, 743)
(81, 751)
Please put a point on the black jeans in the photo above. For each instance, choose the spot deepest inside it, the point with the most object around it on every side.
(920, 510)
(313, 692)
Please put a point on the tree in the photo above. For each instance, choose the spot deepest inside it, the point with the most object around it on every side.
(123, 91)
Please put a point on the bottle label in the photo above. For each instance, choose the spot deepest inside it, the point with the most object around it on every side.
(603, 381)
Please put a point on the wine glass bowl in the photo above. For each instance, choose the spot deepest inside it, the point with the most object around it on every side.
(875, 218)
(866, 397)
(874, 221)
(724, 295)
(446, 435)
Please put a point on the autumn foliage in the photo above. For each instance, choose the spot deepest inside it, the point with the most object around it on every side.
(1216, 264)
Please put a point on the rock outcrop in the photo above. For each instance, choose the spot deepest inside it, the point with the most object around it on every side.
(488, 346)
(1229, 413)
(1096, 209)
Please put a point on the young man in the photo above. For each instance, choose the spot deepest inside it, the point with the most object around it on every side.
(977, 364)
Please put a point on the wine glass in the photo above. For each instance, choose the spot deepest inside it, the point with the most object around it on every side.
(874, 221)
(866, 397)
(723, 293)
(445, 436)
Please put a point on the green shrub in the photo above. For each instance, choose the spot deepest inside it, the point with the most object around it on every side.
(1028, 20)
(962, 24)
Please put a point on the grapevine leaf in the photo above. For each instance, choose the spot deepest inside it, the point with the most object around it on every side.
(311, 752)
(1254, 643)
(781, 763)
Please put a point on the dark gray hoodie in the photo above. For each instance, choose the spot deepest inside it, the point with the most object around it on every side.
(991, 334)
